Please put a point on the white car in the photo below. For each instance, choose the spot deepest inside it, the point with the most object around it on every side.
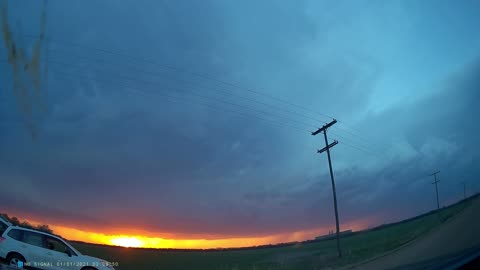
(22, 247)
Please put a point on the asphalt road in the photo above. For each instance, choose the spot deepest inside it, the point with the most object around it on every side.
(6, 267)
(452, 261)
(452, 242)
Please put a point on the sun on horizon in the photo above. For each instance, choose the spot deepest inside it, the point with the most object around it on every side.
(127, 242)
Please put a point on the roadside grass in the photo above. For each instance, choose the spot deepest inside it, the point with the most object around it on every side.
(314, 255)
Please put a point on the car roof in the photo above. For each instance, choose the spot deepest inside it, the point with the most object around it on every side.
(36, 231)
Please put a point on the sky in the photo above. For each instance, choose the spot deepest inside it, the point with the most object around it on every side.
(188, 123)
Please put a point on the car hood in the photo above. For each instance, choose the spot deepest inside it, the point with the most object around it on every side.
(91, 259)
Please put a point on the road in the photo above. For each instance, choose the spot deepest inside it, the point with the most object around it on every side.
(6, 267)
(457, 238)
(452, 261)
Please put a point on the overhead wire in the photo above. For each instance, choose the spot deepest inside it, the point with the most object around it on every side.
(207, 97)
(150, 94)
(54, 61)
(284, 110)
(225, 91)
(183, 91)
(204, 76)
(360, 149)
(196, 74)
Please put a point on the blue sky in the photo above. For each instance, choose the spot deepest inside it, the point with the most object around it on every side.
(114, 150)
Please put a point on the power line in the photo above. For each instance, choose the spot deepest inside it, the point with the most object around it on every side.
(195, 102)
(355, 134)
(352, 131)
(182, 91)
(221, 90)
(177, 99)
(206, 76)
(196, 74)
(361, 149)
(203, 76)
(203, 96)
(177, 90)
(225, 91)
(102, 61)
(364, 148)
(176, 69)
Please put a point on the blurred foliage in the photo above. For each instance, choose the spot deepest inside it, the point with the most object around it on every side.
(25, 224)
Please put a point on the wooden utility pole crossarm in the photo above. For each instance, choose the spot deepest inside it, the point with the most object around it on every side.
(335, 142)
(324, 128)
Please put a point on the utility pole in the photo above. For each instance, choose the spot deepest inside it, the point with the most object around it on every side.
(436, 186)
(464, 191)
(327, 148)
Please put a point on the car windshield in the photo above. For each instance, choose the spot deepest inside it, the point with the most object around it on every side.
(242, 134)
(73, 249)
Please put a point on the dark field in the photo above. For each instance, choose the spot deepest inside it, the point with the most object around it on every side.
(314, 255)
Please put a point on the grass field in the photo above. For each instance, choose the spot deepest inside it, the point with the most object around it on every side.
(314, 255)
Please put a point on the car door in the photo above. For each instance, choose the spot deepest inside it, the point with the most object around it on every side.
(61, 256)
(33, 245)
(15, 243)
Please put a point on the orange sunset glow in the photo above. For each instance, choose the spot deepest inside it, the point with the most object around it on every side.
(157, 242)
(144, 241)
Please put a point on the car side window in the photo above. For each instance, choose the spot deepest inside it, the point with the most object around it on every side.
(16, 234)
(33, 238)
(3, 227)
(56, 245)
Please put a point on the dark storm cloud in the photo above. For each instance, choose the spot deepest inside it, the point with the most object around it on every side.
(166, 162)
(442, 130)
(121, 154)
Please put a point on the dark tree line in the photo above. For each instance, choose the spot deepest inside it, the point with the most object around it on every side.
(15, 221)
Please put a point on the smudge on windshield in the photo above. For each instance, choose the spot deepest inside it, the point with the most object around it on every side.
(28, 71)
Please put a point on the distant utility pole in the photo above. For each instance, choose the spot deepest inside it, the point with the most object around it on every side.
(327, 148)
(464, 190)
(436, 187)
